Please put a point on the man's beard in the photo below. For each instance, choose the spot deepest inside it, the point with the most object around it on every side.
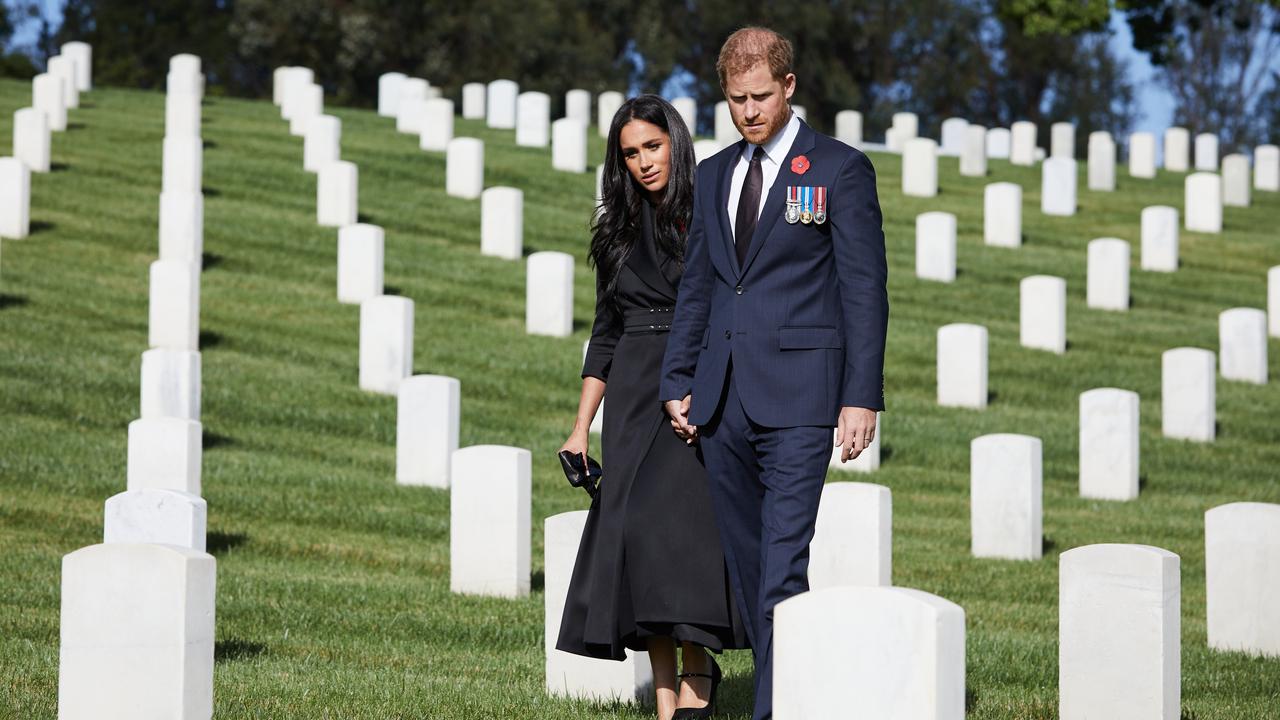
(772, 127)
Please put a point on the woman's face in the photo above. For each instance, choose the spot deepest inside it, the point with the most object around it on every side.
(646, 148)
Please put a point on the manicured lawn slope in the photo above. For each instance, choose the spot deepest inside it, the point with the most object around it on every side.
(333, 589)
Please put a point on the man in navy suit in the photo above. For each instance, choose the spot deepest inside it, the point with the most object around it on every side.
(779, 329)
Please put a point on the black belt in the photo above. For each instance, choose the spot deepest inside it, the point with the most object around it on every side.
(646, 320)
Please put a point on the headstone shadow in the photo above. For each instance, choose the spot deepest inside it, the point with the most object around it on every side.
(8, 301)
(210, 440)
(210, 339)
(210, 260)
(233, 649)
(1047, 545)
(391, 290)
(537, 581)
(40, 226)
(76, 126)
(210, 145)
(580, 325)
(217, 543)
(365, 219)
(59, 167)
(211, 192)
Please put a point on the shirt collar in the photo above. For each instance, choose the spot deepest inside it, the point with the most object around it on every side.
(779, 145)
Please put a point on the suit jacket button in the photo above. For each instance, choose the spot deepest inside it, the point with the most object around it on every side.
(738, 289)
(727, 334)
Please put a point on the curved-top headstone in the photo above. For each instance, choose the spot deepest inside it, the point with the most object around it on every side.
(973, 151)
(361, 262)
(726, 133)
(702, 149)
(427, 417)
(386, 343)
(1108, 274)
(308, 103)
(1002, 214)
(502, 221)
(32, 139)
(853, 537)
(47, 97)
(936, 246)
(1207, 152)
(607, 105)
(82, 53)
(577, 105)
(1242, 345)
(1160, 238)
(473, 101)
(1043, 317)
(962, 366)
(389, 93)
(323, 142)
(1005, 497)
(954, 130)
(849, 127)
(1187, 394)
(1273, 301)
(569, 145)
(1022, 151)
(687, 108)
(1142, 155)
(490, 521)
(156, 515)
(533, 119)
(409, 108)
(437, 124)
(549, 294)
(1058, 186)
(1177, 149)
(920, 167)
(1266, 168)
(1102, 162)
(65, 68)
(1062, 140)
(1235, 180)
(906, 125)
(999, 141)
(1202, 203)
(338, 194)
(1109, 444)
(15, 199)
(464, 168)
(1242, 577)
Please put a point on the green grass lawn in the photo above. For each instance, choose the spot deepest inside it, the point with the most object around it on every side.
(333, 582)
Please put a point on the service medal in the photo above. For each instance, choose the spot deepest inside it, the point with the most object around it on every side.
(793, 204)
(820, 205)
(806, 212)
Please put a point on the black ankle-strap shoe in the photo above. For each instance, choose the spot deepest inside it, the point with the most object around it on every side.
(709, 709)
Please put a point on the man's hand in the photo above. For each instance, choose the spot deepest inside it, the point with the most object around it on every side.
(679, 412)
(855, 431)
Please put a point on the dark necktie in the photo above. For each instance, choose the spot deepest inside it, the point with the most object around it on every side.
(748, 206)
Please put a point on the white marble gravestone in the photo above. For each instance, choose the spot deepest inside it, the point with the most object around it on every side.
(936, 246)
(389, 93)
(1177, 149)
(182, 227)
(183, 164)
(174, 318)
(973, 152)
(1273, 301)
(82, 53)
(549, 294)
(868, 460)
(409, 109)
(575, 676)
(889, 652)
(953, 134)
(338, 194)
(502, 222)
(999, 143)
(1002, 214)
(607, 104)
(1160, 238)
(1109, 444)
(1005, 497)
(323, 143)
(1119, 644)
(473, 101)
(65, 68)
(427, 421)
(726, 133)
(164, 453)
(1043, 317)
(1187, 394)
(177, 83)
(1142, 155)
(849, 127)
(437, 124)
(361, 259)
(47, 97)
(569, 145)
(1242, 345)
(464, 168)
(1235, 180)
(1266, 168)
(155, 515)
(1062, 140)
(687, 108)
(577, 105)
(853, 537)
(962, 366)
(533, 119)
(1202, 203)
(279, 79)
(703, 149)
(32, 139)
(130, 654)
(1108, 274)
(1207, 152)
(920, 167)
(170, 384)
(800, 111)
(1242, 577)
(1058, 186)
(386, 343)
(15, 199)
(295, 80)
(490, 521)
(1102, 162)
(906, 126)
(182, 114)
(308, 103)
(1022, 149)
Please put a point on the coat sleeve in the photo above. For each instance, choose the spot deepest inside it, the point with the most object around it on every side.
(863, 273)
(693, 306)
(605, 332)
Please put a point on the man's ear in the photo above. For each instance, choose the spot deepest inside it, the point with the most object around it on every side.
(789, 85)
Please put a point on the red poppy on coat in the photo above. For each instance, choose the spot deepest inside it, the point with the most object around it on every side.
(799, 164)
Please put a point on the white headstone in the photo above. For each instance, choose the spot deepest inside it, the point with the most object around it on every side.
(338, 194)
(181, 83)
(1108, 271)
(15, 199)
(849, 127)
(1242, 577)
(1207, 152)
(427, 420)
(999, 143)
(502, 222)
(125, 653)
(1273, 301)
(920, 167)
(309, 103)
(182, 114)
(936, 246)
(323, 143)
(47, 97)
(1119, 644)
(174, 318)
(1203, 202)
(905, 127)
(389, 93)
(82, 53)
(569, 145)
(1022, 150)
(183, 165)
(973, 152)
(800, 111)
(1062, 140)
(1160, 238)
(1177, 149)
(464, 168)
(1235, 180)
(182, 226)
(1102, 162)
(577, 106)
(155, 515)
(702, 149)
(1242, 338)
(170, 384)
(1058, 186)
(954, 130)
(962, 366)
(726, 132)
(164, 453)
(410, 108)
(473, 101)
(1142, 155)
(386, 343)
(279, 82)
(1109, 444)
(32, 139)
(853, 537)
(607, 105)
(1187, 394)
(888, 652)
(65, 68)
(868, 460)
(687, 108)
(549, 294)
(533, 119)
(361, 253)
(185, 63)
(490, 523)
(1043, 321)
(437, 124)
(1005, 491)
(296, 79)
(570, 675)
(1002, 214)
(1266, 168)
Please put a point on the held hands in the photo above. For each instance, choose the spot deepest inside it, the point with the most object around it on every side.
(679, 412)
(855, 431)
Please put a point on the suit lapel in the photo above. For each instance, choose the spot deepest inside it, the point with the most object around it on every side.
(722, 205)
(773, 204)
(644, 260)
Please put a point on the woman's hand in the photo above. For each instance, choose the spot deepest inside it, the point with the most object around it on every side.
(579, 443)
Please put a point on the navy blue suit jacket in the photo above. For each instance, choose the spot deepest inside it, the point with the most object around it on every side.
(804, 318)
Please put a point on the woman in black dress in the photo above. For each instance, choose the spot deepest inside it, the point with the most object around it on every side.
(650, 573)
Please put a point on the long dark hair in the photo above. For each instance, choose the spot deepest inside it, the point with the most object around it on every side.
(615, 228)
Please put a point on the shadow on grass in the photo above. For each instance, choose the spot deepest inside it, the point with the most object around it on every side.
(210, 440)
(59, 167)
(217, 543)
(39, 226)
(8, 301)
(210, 145)
(210, 339)
(885, 453)
(363, 218)
(234, 649)
(209, 260)
(76, 126)
(1047, 545)
(211, 192)
(392, 290)
(581, 325)
(537, 581)
(970, 699)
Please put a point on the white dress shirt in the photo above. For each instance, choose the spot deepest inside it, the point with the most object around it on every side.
(775, 153)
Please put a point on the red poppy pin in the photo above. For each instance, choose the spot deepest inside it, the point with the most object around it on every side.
(799, 164)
